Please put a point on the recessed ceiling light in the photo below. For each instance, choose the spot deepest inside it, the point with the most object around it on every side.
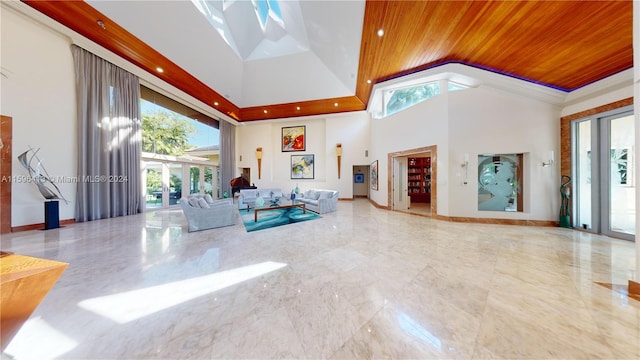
(369, 81)
(298, 108)
(335, 104)
(101, 24)
(380, 32)
(159, 69)
(265, 111)
(215, 103)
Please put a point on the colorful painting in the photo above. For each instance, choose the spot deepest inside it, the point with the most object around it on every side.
(374, 175)
(302, 167)
(358, 178)
(293, 138)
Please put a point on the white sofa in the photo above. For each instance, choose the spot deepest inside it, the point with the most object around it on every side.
(319, 200)
(203, 212)
(247, 198)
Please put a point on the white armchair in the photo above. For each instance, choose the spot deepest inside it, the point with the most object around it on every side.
(207, 213)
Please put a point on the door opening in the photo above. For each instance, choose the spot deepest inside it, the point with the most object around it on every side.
(412, 176)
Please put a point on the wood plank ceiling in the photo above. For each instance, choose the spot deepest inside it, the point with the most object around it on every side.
(559, 44)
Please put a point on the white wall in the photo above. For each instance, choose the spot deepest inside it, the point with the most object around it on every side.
(39, 94)
(422, 125)
(322, 135)
(636, 102)
(484, 120)
(606, 91)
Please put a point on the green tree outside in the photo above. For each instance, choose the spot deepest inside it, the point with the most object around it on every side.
(165, 133)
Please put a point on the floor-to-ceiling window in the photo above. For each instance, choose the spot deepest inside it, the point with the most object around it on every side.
(604, 180)
(180, 150)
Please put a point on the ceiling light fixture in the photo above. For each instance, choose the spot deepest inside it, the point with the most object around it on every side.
(298, 108)
(159, 69)
(101, 24)
(369, 81)
(380, 32)
(215, 103)
(265, 111)
(335, 104)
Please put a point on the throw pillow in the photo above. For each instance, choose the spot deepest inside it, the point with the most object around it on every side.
(203, 203)
(325, 195)
(208, 198)
(193, 201)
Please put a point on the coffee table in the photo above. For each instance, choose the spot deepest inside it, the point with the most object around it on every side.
(281, 204)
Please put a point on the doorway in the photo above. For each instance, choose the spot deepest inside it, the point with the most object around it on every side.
(409, 176)
(361, 181)
(604, 179)
(168, 181)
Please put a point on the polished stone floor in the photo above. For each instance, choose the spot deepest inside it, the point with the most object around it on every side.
(360, 283)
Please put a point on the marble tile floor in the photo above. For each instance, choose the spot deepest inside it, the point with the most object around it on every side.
(360, 283)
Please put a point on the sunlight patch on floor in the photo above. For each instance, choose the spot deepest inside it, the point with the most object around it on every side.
(39, 340)
(132, 305)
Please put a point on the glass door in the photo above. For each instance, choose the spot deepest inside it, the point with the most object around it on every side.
(153, 184)
(619, 220)
(210, 185)
(603, 174)
(195, 180)
(583, 177)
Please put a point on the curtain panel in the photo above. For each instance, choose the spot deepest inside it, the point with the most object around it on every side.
(227, 155)
(109, 139)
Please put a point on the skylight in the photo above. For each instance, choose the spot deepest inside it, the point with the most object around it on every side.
(266, 9)
(256, 29)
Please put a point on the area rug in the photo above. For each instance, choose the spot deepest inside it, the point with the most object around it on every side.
(276, 217)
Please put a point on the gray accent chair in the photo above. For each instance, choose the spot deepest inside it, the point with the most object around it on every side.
(204, 213)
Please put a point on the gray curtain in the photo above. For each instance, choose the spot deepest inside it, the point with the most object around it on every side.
(109, 139)
(227, 155)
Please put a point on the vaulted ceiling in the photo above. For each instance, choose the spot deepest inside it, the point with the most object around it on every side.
(328, 55)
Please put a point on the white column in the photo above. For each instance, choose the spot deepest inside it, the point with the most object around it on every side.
(636, 106)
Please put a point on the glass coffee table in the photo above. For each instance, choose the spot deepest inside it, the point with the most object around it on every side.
(278, 204)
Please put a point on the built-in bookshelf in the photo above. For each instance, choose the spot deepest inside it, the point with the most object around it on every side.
(419, 179)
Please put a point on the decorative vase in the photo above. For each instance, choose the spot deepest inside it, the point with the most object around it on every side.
(260, 201)
(297, 189)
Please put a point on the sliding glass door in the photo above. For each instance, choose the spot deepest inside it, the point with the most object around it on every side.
(603, 174)
(619, 218)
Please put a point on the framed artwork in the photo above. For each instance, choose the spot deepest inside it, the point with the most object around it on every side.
(374, 175)
(302, 166)
(293, 138)
(358, 178)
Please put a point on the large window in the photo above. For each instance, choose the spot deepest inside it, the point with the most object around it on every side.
(181, 150)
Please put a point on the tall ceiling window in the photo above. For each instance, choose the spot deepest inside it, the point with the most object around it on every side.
(171, 128)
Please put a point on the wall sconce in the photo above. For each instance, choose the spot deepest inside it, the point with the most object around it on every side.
(339, 154)
(259, 157)
(465, 165)
(550, 162)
